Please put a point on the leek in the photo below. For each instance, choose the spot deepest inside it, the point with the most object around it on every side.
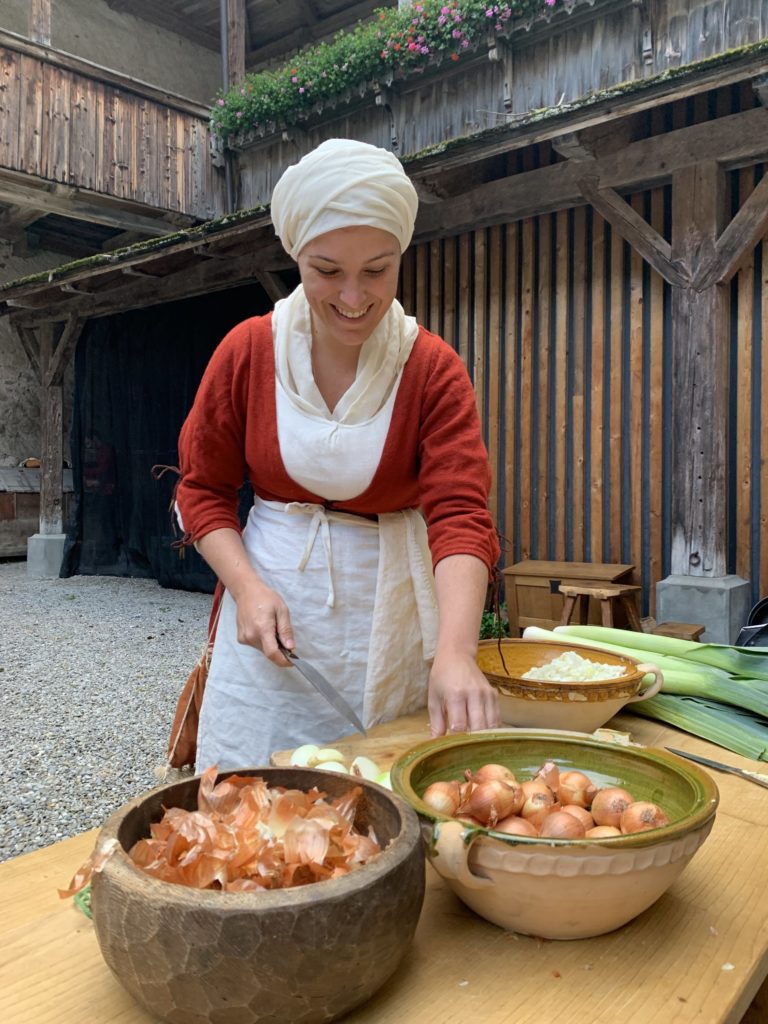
(728, 727)
(750, 662)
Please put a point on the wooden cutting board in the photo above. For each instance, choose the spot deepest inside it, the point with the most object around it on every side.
(384, 743)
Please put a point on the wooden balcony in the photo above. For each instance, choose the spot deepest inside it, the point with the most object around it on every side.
(86, 143)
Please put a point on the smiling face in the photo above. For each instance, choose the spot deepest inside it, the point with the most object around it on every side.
(350, 280)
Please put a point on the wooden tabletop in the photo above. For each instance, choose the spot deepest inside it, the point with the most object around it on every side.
(700, 954)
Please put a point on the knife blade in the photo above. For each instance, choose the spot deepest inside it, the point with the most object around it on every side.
(324, 688)
(756, 777)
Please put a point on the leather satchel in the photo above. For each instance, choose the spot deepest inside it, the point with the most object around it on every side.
(182, 742)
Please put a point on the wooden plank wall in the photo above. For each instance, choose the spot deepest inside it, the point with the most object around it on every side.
(565, 332)
(68, 128)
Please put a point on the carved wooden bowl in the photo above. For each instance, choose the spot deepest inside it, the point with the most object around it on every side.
(304, 954)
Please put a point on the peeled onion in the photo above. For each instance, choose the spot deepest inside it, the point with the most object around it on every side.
(603, 832)
(576, 788)
(641, 816)
(609, 803)
(443, 797)
(561, 825)
(581, 814)
(515, 826)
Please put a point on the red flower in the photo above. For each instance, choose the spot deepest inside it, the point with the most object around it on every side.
(454, 56)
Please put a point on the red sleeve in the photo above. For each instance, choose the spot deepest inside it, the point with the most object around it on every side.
(454, 473)
(212, 440)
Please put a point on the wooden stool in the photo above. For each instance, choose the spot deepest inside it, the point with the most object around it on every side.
(679, 630)
(621, 594)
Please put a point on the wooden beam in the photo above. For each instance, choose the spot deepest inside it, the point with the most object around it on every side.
(39, 21)
(74, 203)
(272, 284)
(638, 232)
(760, 88)
(236, 40)
(156, 13)
(735, 140)
(740, 237)
(307, 33)
(15, 220)
(699, 513)
(207, 276)
(28, 341)
(63, 351)
(51, 440)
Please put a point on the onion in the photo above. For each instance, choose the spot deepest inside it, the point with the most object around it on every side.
(561, 825)
(581, 814)
(609, 803)
(575, 788)
(641, 816)
(603, 832)
(488, 772)
(549, 774)
(489, 802)
(539, 801)
(515, 826)
(443, 797)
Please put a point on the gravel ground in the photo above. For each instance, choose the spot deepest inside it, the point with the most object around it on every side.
(90, 671)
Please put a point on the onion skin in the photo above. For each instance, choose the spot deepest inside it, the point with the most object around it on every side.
(576, 788)
(488, 772)
(603, 832)
(549, 774)
(516, 826)
(609, 804)
(641, 816)
(443, 797)
(561, 825)
(539, 801)
(581, 814)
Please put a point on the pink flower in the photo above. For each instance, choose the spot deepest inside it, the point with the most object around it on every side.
(412, 47)
(301, 88)
(220, 102)
(294, 79)
(239, 113)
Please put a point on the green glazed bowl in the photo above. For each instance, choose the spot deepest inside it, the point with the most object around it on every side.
(560, 888)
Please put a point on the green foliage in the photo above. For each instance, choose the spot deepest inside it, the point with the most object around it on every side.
(395, 40)
(493, 626)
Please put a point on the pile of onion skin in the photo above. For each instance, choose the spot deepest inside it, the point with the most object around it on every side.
(246, 836)
(554, 804)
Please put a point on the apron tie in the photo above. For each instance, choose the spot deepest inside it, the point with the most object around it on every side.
(318, 522)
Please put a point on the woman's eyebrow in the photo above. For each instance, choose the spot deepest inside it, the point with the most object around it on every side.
(329, 259)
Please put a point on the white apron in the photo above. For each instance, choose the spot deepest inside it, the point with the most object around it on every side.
(361, 597)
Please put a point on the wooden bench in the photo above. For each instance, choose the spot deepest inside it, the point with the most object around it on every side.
(617, 595)
(679, 630)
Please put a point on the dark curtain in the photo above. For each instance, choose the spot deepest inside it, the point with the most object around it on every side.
(136, 375)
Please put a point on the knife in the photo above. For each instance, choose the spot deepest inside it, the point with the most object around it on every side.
(761, 780)
(324, 688)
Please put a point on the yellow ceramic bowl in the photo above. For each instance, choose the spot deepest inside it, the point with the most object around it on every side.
(560, 889)
(550, 704)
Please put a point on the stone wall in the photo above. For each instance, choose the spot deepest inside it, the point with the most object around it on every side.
(92, 30)
(19, 388)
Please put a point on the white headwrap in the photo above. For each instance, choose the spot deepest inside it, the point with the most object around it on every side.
(343, 183)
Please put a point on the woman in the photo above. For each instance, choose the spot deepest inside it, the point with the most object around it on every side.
(347, 417)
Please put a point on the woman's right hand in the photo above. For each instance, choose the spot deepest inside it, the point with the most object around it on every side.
(262, 618)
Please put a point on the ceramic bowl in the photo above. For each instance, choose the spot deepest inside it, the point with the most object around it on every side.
(305, 954)
(550, 704)
(560, 889)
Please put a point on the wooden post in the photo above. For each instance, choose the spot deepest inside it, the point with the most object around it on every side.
(51, 455)
(236, 32)
(699, 380)
(39, 21)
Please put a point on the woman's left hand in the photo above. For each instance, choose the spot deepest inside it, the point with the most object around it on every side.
(460, 697)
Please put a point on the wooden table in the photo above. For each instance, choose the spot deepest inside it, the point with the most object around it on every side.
(700, 954)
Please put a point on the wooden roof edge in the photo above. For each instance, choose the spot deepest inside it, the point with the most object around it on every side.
(619, 100)
(133, 255)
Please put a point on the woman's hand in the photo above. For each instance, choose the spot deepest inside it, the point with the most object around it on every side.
(460, 697)
(262, 615)
(262, 618)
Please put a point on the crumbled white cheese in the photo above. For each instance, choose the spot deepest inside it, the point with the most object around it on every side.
(571, 667)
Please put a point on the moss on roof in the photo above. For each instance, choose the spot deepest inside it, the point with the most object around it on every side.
(148, 247)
